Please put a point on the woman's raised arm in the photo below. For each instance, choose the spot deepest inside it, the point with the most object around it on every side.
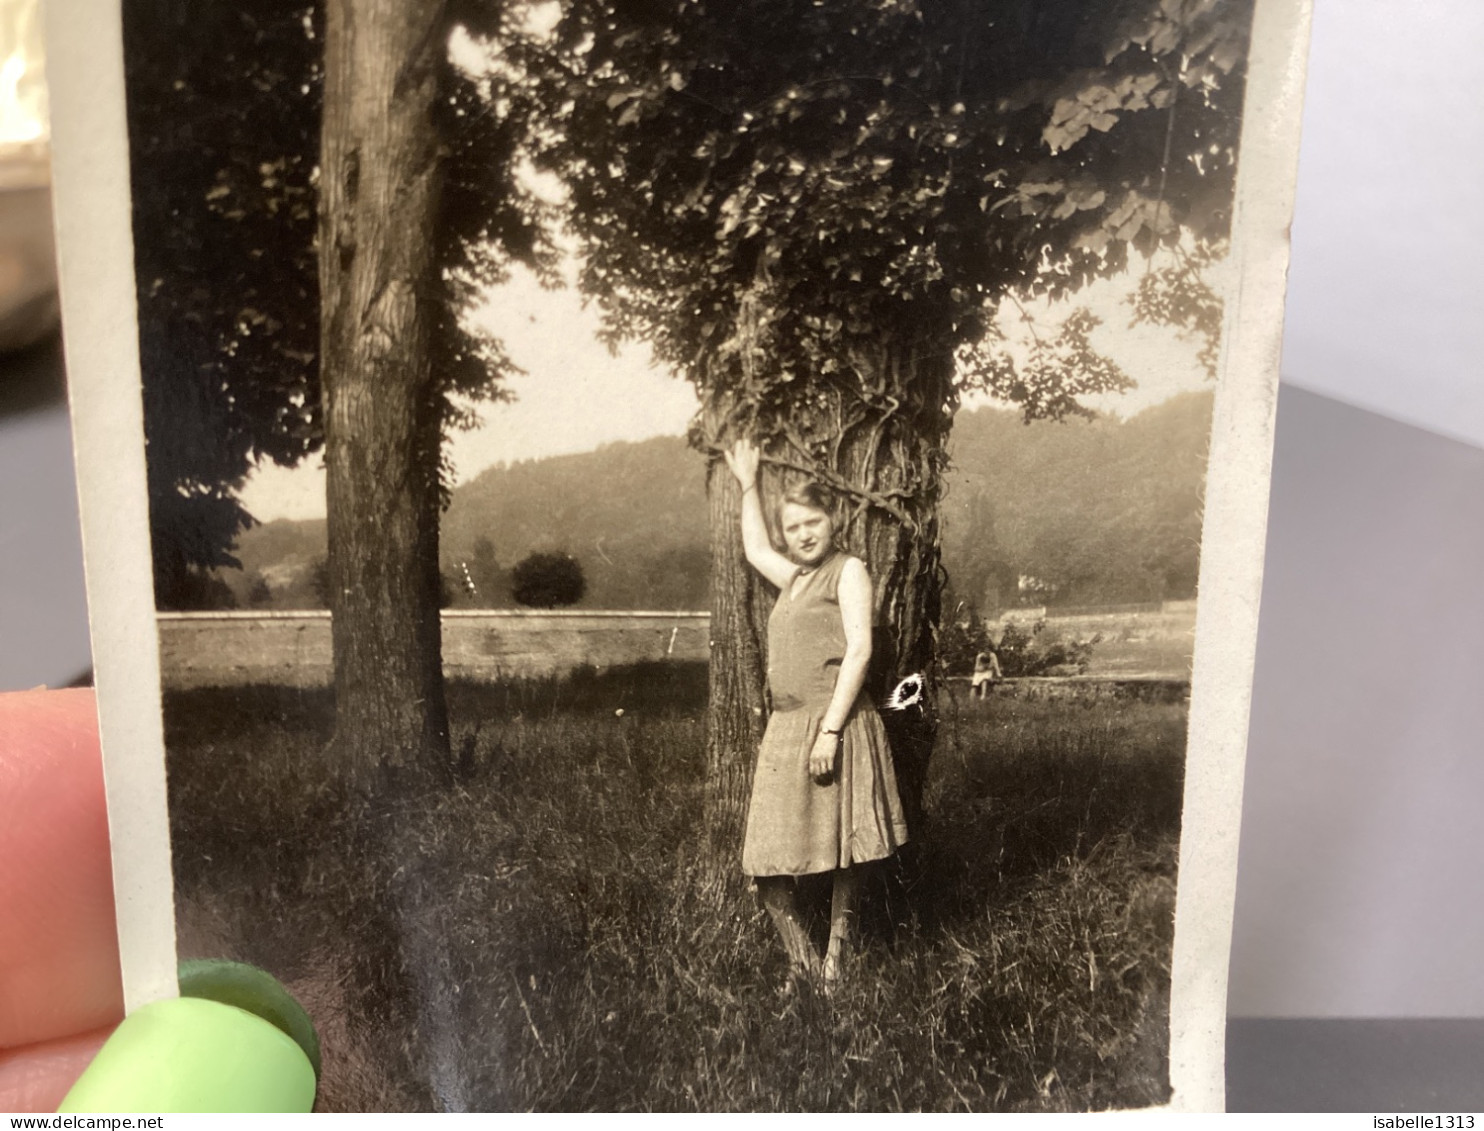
(743, 459)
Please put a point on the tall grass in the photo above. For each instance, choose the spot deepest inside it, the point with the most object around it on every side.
(552, 937)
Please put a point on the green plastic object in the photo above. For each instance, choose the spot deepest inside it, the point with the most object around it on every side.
(194, 1054)
(257, 991)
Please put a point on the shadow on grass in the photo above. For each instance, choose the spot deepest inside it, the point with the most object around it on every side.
(550, 936)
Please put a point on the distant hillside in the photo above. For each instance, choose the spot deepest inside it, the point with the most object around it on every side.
(1082, 511)
(634, 516)
(1077, 511)
(279, 562)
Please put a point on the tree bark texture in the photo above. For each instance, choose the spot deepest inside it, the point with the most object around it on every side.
(379, 192)
(737, 700)
(881, 445)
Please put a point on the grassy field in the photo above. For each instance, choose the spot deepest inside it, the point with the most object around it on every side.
(1135, 643)
(551, 937)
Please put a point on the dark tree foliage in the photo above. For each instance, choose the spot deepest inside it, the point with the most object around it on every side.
(259, 592)
(224, 104)
(814, 211)
(487, 580)
(223, 124)
(960, 640)
(1023, 650)
(198, 591)
(547, 581)
(448, 587)
(319, 582)
(1038, 650)
(856, 169)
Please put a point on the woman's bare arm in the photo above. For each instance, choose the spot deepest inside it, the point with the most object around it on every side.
(856, 610)
(743, 459)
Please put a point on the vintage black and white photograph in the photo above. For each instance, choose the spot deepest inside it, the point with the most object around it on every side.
(677, 532)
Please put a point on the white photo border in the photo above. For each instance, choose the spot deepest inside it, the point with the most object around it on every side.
(1233, 537)
(94, 222)
(95, 253)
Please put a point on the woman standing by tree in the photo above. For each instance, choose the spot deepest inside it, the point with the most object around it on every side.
(824, 794)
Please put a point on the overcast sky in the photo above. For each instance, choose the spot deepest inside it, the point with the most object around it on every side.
(575, 395)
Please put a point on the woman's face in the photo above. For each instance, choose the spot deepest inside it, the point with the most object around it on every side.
(808, 533)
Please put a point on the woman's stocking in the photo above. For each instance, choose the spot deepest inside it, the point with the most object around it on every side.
(778, 896)
(842, 921)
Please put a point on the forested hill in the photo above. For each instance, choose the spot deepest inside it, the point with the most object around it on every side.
(1079, 511)
(633, 515)
(1075, 512)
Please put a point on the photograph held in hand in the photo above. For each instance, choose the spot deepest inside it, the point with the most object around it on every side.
(703, 555)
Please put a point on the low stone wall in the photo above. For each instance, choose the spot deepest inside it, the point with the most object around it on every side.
(292, 649)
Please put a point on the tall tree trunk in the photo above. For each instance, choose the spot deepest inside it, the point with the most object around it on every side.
(881, 443)
(379, 192)
(737, 697)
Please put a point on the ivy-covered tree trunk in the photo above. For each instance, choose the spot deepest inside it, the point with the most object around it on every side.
(818, 228)
(380, 184)
(880, 443)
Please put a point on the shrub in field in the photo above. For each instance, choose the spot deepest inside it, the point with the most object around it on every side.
(547, 581)
(1023, 651)
(960, 641)
(1042, 651)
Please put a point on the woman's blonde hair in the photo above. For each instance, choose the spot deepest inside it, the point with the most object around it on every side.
(810, 493)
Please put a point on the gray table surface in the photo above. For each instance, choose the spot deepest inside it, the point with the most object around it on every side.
(1343, 1064)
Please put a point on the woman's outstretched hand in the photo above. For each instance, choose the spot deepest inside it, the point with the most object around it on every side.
(822, 757)
(743, 459)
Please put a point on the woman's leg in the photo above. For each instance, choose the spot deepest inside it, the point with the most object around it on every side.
(842, 921)
(778, 897)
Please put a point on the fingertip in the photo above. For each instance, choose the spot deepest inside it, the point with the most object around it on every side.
(38, 1077)
(58, 942)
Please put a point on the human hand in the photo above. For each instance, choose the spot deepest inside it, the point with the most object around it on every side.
(60, 990)
(743, 459)
(822, 757)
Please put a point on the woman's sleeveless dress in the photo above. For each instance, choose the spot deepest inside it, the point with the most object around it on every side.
(796, 826)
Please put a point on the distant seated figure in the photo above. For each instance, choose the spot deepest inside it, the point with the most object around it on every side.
(986, 674)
